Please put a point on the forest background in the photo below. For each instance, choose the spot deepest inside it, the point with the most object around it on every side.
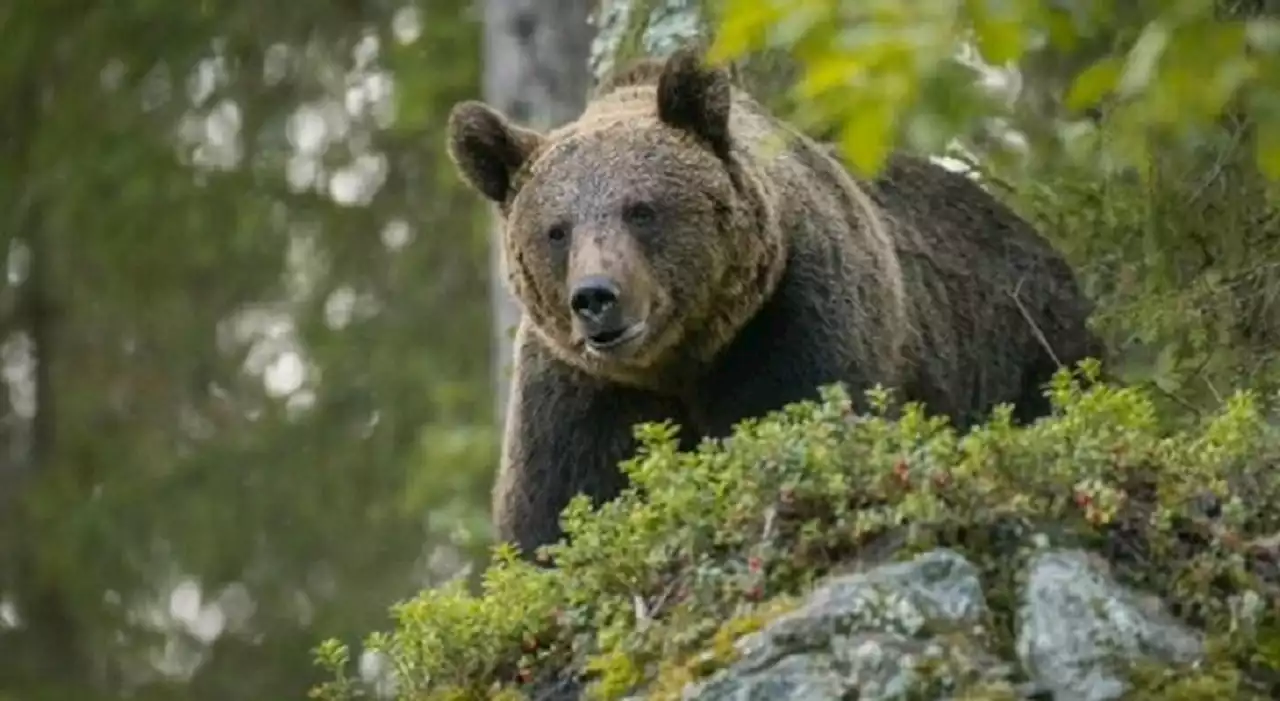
(254, 349)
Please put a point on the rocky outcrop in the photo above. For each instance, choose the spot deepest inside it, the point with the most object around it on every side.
(921, 629)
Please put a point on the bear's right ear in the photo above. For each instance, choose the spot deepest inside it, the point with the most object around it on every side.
(696, 98)
(488, 149)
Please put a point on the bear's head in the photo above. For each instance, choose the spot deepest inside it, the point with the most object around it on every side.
(636, 237)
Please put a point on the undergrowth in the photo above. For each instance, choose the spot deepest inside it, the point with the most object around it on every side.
(652, 589)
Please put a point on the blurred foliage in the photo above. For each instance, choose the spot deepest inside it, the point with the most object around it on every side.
(244, 335)
(1185, 271)
(707, 545)
(1166, 69)
(1142, 137)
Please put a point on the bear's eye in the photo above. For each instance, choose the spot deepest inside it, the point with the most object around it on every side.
(558, 233)
(639, 213)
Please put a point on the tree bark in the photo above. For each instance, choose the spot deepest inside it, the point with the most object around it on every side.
(630, 29)
(50, 645)
(535, 58)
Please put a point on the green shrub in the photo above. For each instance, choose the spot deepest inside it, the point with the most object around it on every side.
(708, 545)
(1184, 269)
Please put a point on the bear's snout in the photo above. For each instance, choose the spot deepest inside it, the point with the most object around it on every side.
(596, 303)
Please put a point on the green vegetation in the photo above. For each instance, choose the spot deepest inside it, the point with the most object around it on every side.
(223, 368)
(707, 545)
(155, 274)
(1165, 71)
(1142, 139)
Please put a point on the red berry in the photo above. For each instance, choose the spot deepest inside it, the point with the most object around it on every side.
(902, 473)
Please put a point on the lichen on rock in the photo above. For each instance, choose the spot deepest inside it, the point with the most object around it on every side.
(1078, 627)
(877, 634)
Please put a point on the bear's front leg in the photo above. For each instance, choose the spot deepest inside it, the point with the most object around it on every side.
(566, 433)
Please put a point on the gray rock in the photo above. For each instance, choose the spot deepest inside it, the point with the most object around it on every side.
(914, 630)
(863, 635)
(1077, 627)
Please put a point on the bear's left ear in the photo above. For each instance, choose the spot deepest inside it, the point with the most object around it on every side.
(487, 148)
(696, 97)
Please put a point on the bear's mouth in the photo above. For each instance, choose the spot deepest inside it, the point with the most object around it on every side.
(614, 338)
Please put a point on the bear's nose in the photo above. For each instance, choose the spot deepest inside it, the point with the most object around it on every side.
(594, 299)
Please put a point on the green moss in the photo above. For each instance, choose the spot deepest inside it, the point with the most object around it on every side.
(1217, 678)
(720, 652)
(708, 545)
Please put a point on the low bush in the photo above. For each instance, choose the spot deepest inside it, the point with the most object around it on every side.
(653, 588)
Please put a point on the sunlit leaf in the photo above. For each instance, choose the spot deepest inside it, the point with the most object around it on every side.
(831, 72)
(1268, 148)
(1143, 58)
(1094, 83)
(744, 26)
(1001, 40)
(867, 136)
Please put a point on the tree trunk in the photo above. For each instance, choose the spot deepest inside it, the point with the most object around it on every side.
(50, 645)
(535, 58)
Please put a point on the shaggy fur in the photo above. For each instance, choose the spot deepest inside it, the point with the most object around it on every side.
(759, 269)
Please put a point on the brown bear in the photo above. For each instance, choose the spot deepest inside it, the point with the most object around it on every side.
(681, 254)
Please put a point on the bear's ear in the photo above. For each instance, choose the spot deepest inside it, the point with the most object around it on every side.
(696, 98)
(487, 148)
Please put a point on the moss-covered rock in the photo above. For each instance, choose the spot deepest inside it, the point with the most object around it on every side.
(875, 634)
(658, 592)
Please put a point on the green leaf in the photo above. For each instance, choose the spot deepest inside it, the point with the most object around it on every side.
(1268, 148)
(1166, 369)
(1094, 83)
(1000, 41)
(829, 72)
(1001, 31)
(866, 138)
(744, 26)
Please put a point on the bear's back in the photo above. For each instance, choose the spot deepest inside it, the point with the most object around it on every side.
(1014, 310)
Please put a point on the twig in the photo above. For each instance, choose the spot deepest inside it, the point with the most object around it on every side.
(1032, 323)
(770, 517)
(1213, 390)
(642, 611)
(1220, 163)
(646, 613)
(1178, 400)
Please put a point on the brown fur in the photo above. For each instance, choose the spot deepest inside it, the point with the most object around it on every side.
(761, 270)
